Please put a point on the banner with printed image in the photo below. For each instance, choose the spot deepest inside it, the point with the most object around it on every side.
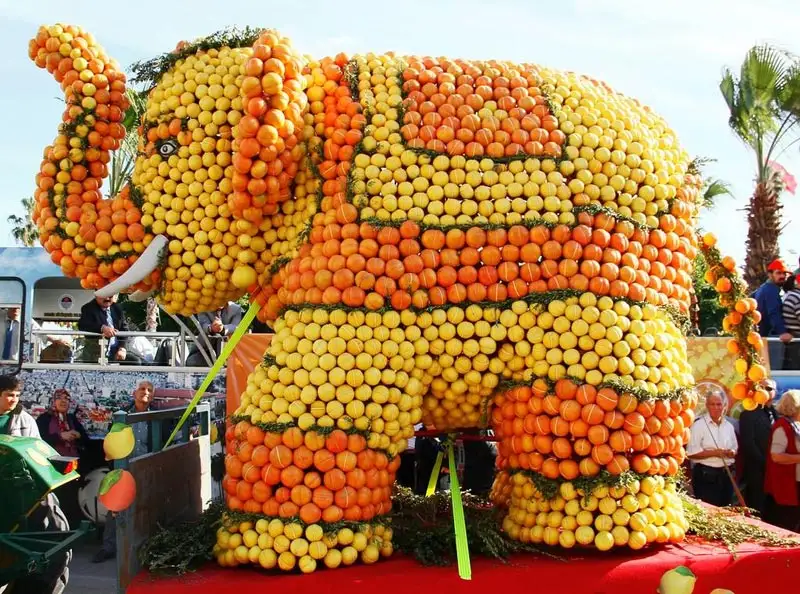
(714, 368)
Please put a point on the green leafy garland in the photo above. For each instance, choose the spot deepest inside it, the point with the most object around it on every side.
(150, 71)
(542, 299)
(617, 385)
(423, 528)
(709, 313)
(530, 223)
(726, 525)
(549, 488)
(184, 546)
(275, 427)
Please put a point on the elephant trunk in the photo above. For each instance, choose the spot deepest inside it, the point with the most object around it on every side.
(92, 238)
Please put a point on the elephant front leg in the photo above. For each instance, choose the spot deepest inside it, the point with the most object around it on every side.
(312, 451)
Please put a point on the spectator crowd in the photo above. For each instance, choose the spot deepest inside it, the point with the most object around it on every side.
(778, 302)
(754, 462)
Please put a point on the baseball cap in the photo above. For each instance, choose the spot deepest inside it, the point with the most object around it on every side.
(777, 265)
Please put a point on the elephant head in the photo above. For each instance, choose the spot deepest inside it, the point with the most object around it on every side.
(220, 146)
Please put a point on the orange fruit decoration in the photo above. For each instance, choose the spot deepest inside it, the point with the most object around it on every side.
(90, 237)
(460, 243)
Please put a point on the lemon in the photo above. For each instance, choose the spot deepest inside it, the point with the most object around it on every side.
(370, 554)
(349, 555)
(604, 541)
(267, 559)
(286, 561)
(250, 538)
(307, 564)
(241, 554)
(567, 539)
(333, 558)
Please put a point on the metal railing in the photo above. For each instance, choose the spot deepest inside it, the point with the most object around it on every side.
(177, 355)
(156, 421)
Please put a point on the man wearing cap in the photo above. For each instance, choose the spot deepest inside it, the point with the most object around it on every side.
(768, 297)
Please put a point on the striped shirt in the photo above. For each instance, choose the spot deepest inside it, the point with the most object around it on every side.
(791, 312)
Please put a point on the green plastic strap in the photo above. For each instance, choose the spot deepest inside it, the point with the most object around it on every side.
(459, 524)
(437, 468)
(218, 364)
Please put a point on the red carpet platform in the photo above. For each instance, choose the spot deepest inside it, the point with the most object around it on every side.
(753, 570)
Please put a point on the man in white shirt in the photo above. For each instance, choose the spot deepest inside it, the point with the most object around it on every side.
(711, 448)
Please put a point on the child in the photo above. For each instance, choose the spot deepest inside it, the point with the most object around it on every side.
(14, 420)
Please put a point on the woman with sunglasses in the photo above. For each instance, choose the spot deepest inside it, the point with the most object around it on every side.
(755, 427)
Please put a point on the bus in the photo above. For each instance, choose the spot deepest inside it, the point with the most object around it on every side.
(40, 308)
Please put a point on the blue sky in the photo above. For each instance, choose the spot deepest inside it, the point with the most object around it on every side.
(668, 54)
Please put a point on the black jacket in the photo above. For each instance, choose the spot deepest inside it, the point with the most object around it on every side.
(93, 318)
(755, 427)
(54, 439)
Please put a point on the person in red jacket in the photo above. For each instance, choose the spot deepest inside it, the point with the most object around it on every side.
(782, 478)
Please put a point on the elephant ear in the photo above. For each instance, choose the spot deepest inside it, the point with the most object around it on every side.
(267, 143)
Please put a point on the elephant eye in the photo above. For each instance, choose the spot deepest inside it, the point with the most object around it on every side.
(167, 147)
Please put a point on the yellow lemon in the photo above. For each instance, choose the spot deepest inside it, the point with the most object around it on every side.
(286, 561)
(604, 541)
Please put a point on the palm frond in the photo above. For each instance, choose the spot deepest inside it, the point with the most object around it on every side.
(764, 102)
(698, 164)
(134, 113)
(727, 87)
(121, 165)
(714, 189)
(124, 159)
(23, 230)
(763, 75)
(737, 121)
(789, 96)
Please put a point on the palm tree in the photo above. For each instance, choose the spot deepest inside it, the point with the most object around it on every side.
(120, 168)
(22, 228)
(124, 159)
(764, 104)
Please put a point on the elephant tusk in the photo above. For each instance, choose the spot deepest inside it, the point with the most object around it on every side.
(140, 269)
(141, 295)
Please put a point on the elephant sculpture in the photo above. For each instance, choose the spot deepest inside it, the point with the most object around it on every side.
(467, 244)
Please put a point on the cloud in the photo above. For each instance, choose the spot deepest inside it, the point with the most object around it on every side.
(27, 263)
